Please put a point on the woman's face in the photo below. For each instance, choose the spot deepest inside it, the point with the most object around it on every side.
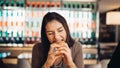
(55, 32)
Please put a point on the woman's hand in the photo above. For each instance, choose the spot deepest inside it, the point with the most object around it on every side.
(52, 54)
(66, 53)
(62, 50)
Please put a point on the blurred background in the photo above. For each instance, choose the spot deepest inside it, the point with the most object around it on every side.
(88, 21)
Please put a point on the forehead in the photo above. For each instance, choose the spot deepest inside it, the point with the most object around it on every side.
(54, 24)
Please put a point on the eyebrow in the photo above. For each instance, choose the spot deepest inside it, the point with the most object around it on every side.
(57, 29)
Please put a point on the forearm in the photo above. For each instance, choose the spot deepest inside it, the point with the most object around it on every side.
(72, 65)
(46, 65)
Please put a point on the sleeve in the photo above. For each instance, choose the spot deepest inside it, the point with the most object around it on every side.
(36, 56)
(78, 58)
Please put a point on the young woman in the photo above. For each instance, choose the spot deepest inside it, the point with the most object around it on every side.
(57, 49)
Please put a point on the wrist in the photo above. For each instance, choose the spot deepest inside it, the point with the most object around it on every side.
(46, 65)
(71, 65)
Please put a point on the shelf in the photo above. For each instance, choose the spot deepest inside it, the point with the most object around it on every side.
(16, 45)
(10, 61)
(107, 49)
(15, 51)
(29, 48)
(110, 44)
(15, 48)
(90, 61)
(14, 61)
(90, 50)
(89, 46)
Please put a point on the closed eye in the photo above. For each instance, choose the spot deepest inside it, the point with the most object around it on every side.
(50, 33)
(60, 30)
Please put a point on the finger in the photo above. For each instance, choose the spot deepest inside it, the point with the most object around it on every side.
(58, 56)
(53, 48)
(54, 45)
(57, 53)
(63, 48)
(64, 44)
(63, 52)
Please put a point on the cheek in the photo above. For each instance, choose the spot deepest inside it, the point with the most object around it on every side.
(50, 39)
(64, 35)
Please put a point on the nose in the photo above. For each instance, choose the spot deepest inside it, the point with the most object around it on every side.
(57, 37)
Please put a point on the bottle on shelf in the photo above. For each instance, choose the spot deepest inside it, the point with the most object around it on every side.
(27, 38)
(90, 56)
(17, 38)
(58, 4)
(33, 4)
(1, 38)
(6, 38)
(17, 4)
(28, 4)
(48, 4)
(38, 4)
(82, 6)
(93, 6)
(2, 3)
(12, 39)
(43, 4)
(7, 3)
(22, 38)
(12, 3)
(88, 5)
(93, 39)
(4, 54)
(20, 3)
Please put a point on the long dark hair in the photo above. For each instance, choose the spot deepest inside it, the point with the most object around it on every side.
(47, 18)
